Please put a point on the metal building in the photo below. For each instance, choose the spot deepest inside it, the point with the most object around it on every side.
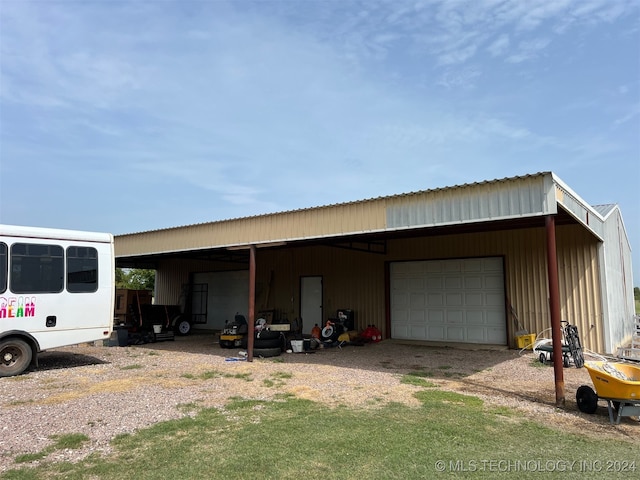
(461, 264)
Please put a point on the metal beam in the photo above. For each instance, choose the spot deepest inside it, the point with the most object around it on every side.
(252, 302)
(554, 305)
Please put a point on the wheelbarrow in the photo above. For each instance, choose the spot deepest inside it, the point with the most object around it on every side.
(618, 383)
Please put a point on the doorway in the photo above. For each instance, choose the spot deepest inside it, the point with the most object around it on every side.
(310, 302)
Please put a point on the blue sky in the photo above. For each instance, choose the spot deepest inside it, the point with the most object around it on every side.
(125, 116)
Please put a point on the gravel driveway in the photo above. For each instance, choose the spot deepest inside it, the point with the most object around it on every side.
(105, 391)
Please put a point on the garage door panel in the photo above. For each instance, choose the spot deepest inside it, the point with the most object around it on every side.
(493, 282)
(495, 336)
(453, 282)
(418, 331)
(473, 299)
(459, 300)
(455, 316)
(455, 334)
(435, 300)
(494, 299)
(476, 335)
(473, 282)
(475, 317)
(400, 331)
(453, 299)
(494, 318)
(435, 333)
(473, 265)
(451, 266)
(417, 301)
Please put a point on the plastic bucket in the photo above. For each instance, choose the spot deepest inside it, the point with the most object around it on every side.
(157, 329)
(297, 346)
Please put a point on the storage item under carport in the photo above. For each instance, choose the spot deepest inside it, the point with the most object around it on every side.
(234, 333)
(571, 348)
(618, 383)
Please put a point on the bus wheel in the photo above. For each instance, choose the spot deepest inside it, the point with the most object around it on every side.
(15, 357)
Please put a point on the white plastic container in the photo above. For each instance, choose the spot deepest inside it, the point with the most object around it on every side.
(297, 346)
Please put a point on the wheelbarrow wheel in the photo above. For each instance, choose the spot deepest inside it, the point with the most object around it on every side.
(586, 399)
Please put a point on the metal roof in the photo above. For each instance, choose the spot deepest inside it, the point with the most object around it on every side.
(513, 199)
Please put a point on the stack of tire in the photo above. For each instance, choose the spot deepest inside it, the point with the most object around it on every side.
(267, 344)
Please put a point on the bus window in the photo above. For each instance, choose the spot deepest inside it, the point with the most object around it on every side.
(36, 268)
(3, 267)
(82, 269)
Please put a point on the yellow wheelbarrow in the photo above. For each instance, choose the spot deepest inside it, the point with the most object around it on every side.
(618, 383)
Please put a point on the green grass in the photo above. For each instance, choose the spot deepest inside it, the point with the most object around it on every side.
(60, 442)
(291, 438)
(418, 379)
(209, 374)
(135, 366)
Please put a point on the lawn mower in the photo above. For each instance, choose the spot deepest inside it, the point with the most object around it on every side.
(235, 333)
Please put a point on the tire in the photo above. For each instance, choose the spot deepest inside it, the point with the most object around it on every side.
(542, 358)
(565, 362)
(226, 344)
(586, 399)
(15, 357)
(181, 326)
(267, 335)
(260, 343)
(266, 352)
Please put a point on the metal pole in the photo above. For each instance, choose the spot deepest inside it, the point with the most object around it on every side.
(554, 305)
(252, 301)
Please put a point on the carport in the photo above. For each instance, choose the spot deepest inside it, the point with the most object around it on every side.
(454, 264)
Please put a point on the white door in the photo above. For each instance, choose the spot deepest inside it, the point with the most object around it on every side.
(460, 300)
(228, 294)
(310, 302)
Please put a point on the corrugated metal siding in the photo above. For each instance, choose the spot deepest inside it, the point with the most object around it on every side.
(617, 281)
(314, 223)
(526, 273)
(356, 279)
(579, 274)
(350, 280)
(580, 210)
(530, 195)
(525, 196)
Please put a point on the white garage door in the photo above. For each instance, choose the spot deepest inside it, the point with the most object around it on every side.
(228, 294)
(449, 300)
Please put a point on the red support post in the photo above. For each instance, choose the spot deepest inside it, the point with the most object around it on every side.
(554, 305)
(252, 302)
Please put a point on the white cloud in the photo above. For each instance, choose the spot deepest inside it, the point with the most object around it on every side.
(499, 46)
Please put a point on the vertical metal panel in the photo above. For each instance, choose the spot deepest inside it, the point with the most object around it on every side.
(312, 223)
(579, 285)
(519, 197)
(617, 283)
(526, 273)
(355, 280)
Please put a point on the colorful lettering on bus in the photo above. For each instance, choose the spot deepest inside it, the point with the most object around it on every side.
(17, 307)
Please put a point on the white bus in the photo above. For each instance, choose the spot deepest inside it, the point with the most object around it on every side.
(56, 289)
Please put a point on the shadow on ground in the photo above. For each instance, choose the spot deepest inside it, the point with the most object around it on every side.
(57, 360)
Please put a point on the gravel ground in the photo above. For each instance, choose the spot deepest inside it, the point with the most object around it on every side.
(105, 391)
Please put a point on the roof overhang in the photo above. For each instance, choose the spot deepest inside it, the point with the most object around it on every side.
(511, 203)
